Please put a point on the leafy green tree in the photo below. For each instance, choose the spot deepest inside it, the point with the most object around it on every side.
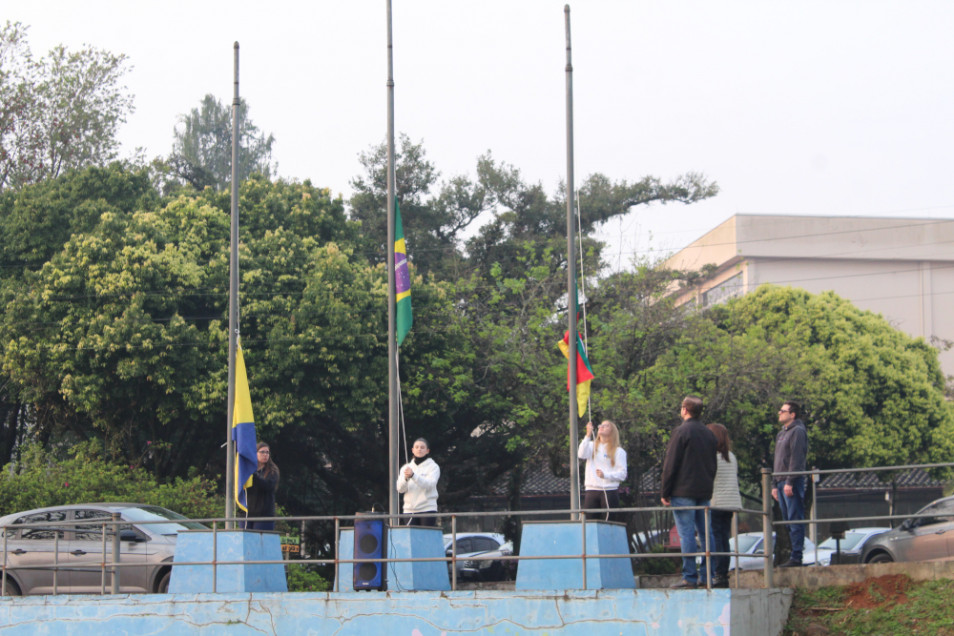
(122, 333)
(121, 336)
(431, 222)
(873, 395)
(85, 473)
(202, 149)
(435, 213)
(57, 113)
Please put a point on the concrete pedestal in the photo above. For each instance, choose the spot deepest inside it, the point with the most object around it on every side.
(229, 545)
(404, 542)
(565, 538)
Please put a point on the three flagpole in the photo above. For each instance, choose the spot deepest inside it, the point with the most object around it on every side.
(393, 415)
(233, 304)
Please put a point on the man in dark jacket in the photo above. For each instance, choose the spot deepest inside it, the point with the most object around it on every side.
(791, 448)
(687, 475)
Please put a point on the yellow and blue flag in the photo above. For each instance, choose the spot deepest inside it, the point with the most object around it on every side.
(243, 432)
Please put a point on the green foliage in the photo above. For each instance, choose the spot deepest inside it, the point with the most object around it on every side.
(115, 330)
(437, 212)
(658, 565)
(873, 395)
(202, 149)
(886, 605)
(57, 113)
(304, 578)
(41, 479)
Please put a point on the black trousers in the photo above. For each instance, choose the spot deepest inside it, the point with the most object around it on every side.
(423, 519)
(602, 500)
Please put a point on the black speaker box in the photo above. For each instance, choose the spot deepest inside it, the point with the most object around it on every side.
(370, 539)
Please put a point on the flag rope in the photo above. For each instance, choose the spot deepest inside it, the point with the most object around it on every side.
(586, 342)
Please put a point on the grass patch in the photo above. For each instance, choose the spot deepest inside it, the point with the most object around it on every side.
(889, 605)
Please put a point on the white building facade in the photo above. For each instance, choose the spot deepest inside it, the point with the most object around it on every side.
(901, 268)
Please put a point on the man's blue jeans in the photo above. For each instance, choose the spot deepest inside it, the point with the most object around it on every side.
(793, 508)
(689, 523)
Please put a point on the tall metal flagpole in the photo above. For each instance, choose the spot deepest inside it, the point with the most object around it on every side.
(571, 275)
(233, 304)
(393, 418)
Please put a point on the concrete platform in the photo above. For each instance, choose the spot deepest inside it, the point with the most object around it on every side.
(569, 612)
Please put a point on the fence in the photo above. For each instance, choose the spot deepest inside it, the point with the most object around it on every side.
(112, 535)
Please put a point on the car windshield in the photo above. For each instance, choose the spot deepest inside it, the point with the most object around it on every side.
(155, 513)
(746, 542)
(850, 542)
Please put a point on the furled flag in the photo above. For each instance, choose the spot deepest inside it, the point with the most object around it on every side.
(243, 432)
(584, 372)
(402, 280)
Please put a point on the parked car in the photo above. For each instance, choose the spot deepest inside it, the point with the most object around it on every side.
(919, 538)
(487, 568)
(751, 543)
(71, 538)
(474, 544)
(648, 540)
(848, 549)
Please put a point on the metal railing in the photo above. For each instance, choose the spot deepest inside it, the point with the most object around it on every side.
(110, 570)
(814, 476)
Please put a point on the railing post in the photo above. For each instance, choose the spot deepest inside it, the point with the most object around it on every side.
(767, 544)
(813, 514)
(102, 561)
(337, 553)
(3, 581)
(583, 535)
(56, 558)
(708, 528)
(735, 542)
(114, 589)
(215, 554)
(453, 565)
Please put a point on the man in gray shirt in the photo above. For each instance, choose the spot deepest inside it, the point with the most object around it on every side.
(791, 448)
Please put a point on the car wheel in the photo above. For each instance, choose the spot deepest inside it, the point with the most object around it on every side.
(12, 588)
(163, 586)
(881, 557)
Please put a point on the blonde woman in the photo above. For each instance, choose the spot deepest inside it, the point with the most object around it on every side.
(605, 469)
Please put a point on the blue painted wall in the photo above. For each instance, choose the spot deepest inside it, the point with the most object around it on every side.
(571, 612)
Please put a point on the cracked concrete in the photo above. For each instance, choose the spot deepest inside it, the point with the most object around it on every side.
(573, 612)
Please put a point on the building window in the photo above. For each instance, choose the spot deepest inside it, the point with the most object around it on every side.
(723, 291)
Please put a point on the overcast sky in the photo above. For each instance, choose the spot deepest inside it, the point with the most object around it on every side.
(816, 107)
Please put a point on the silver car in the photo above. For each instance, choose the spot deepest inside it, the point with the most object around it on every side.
(751, 543)
(927, 536)
(60, 549)
(471, 544)
(848, 549)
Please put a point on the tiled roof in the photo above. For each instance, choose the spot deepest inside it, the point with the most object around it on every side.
(910, 478)
(538, 479)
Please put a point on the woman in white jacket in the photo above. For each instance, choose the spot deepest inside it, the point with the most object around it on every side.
(605, 469)
(417, 481)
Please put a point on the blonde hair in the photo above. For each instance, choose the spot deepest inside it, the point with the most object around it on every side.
(612, 444)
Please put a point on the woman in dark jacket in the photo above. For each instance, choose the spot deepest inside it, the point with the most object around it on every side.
(260, 496)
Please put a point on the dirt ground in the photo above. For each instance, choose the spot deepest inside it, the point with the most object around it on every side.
(890, 590)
